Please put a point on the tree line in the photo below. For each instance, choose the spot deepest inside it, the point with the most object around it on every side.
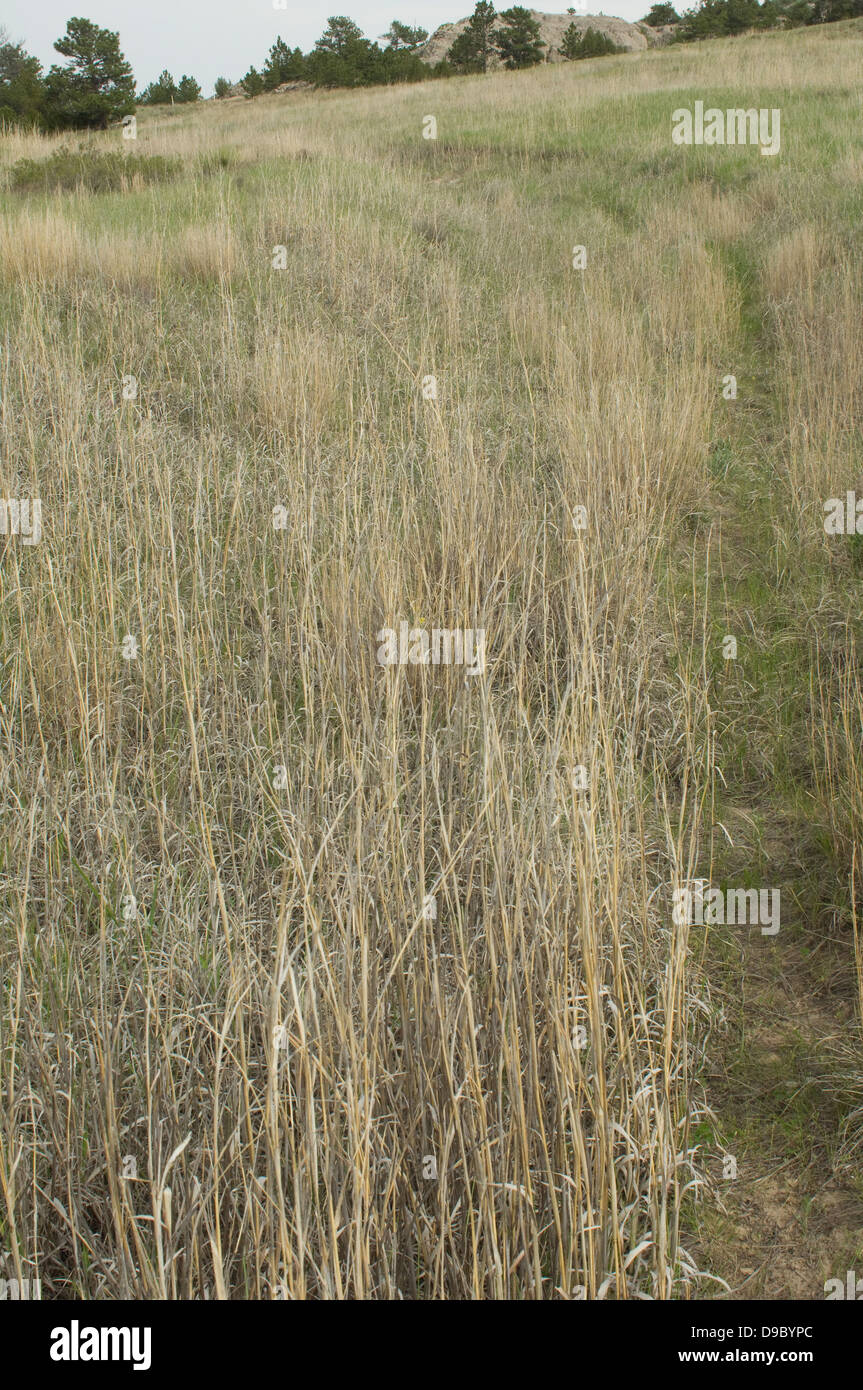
(725, 18)
(342, 57)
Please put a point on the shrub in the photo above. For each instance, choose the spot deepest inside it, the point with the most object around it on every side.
(66, 170)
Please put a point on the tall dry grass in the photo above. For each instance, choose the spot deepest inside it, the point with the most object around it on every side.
(240, 1057)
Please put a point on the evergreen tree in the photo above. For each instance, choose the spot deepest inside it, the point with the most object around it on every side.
(338, 35)
(662, 13)
(252, 84)
(278, 57)
(590, 44)
(282, 65)
(402, 65)
(518, 42)
(402, 36)
(22, 91)
(96, 85)
(297, 70)
(571, 39)
(188, 89)
(161, 92)
(474, 46)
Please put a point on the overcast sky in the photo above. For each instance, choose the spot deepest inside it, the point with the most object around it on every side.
(223, 38)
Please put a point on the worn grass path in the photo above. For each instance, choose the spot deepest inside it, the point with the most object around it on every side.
(792, 1217)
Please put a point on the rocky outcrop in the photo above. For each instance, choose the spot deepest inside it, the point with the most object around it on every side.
(658, 36)
(237, 90)
(552, 28)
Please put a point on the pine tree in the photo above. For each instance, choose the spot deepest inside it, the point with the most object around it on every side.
(337, 36)
(474, 46)
(590, 44)
(188, 89)
(252, 84)
(518, 42)
(96, 85)
(402, 36)
(661, 13)
(22, 91)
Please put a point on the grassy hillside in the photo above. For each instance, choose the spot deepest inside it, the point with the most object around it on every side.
(327, 979)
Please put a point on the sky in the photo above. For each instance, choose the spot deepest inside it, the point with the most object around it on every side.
(224, 38)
